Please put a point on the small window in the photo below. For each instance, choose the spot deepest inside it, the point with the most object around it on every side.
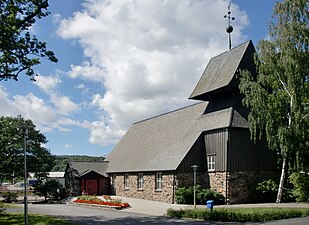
(140, 181)
(126, 181)
(114, 181)
(211, 162)
(159, 181)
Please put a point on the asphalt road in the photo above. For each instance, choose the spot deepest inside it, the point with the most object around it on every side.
(81, 215)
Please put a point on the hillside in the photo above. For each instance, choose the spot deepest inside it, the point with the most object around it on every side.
(62, 160)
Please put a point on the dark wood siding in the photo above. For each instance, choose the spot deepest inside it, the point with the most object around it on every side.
(196, 156)
(216, 144)
(245, 155)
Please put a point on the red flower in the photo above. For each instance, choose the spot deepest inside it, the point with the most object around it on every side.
(100, 202)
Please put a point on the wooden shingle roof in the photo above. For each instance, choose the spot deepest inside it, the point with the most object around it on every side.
(221, 71)
(161, 143)
(81, 168)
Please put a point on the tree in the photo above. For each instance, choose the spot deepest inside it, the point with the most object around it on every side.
(39, 159)
(278, 94)
(20, 50)
(51, 189)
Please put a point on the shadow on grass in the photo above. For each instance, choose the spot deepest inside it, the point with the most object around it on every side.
(138, 220)
(18, 219)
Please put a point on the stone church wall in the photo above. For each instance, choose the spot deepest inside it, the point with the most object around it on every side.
(242, 185)
(236, 187)
(149, 191)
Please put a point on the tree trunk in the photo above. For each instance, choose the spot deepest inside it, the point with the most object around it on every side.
(282, 178)
(284, 167)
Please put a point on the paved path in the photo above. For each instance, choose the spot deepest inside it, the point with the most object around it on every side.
(155, 208)
(141, 212)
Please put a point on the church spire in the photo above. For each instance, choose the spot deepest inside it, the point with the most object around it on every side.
(229, 28)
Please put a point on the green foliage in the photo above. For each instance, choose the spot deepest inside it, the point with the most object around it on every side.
(2, 208)
(239, 214)
(277, 94)
(87, 197)
(18, 219)
(301, 186)
(19, 49)
(62, 160)
(185, 196)
(39, 159)
(9, 197)
(266, 191)
(51, 189)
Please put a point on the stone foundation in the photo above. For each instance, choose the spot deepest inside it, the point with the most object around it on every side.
(236, 187)
(218, 182)
(149, 191)
(241, 185)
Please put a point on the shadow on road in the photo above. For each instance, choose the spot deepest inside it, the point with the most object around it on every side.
(136, 220)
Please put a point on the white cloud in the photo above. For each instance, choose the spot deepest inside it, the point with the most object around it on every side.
(148, 55)
(87, 72)
(68, 146)
(29, 106)
(45, 116)
(47, 83)
(64, 104)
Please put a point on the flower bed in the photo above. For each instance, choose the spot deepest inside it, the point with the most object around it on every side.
(96, 201)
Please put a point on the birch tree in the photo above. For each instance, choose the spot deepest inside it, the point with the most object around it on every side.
(277, 94)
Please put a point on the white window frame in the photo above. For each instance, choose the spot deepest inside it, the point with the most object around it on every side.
(114, 181)
(140, 181)
(159, 181)
(211, 162)
(126, 181)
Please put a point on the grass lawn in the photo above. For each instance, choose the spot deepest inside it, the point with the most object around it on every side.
(240, 214)
(18, 219)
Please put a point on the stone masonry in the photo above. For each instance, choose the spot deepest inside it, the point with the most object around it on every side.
(236, 187)
(149, 191)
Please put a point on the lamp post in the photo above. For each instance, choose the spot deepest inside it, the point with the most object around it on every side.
(194, 182)
(25, 132)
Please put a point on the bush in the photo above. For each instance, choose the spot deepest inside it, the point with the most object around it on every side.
(2, 208)
(185, 195)
(51, 189)
(9, 197)
(266, 191)
(208, 194)
(239, 215)
(88, 197)
(301, 186)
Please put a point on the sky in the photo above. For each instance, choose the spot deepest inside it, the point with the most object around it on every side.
(121, 62)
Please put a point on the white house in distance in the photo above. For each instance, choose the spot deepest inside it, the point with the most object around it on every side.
(59, 176)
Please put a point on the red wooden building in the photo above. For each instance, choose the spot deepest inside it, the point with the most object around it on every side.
(87, 177)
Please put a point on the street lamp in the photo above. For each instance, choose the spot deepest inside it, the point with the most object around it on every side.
(25, 132)
(194, 181)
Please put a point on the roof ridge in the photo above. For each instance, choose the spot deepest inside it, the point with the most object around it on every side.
(169, 112)
(232, 49)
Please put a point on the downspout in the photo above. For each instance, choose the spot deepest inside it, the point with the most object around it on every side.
(227, 167)
(227, 155)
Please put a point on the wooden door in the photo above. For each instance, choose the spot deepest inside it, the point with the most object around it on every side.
(92, 186)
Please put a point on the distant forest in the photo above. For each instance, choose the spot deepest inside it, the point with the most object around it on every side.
(62, 160)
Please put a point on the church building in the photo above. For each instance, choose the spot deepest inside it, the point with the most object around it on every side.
(156, 155)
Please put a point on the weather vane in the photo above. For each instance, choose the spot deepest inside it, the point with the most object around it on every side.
(229, 28)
